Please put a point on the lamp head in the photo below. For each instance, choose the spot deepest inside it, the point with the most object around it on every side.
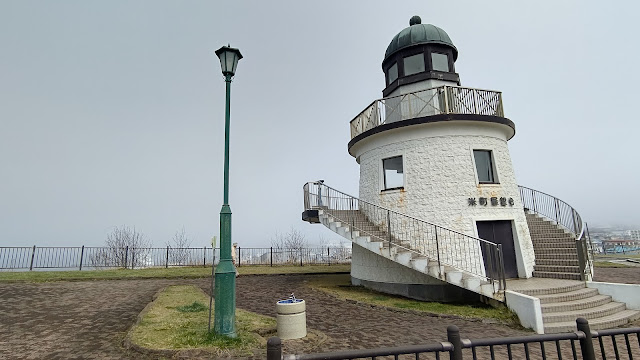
(228, 59)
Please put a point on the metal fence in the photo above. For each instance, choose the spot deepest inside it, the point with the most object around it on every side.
(582, 344)
(86, 257)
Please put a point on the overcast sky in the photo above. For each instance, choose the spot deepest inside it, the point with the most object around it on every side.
(112, 112)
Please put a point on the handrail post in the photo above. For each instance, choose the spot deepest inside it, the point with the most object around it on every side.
(435, 228)
(586, 343)
(81, 256)
(33, 254)
(274, 348)
(575, 221)
(533, 198)
(581, 258)
(453, 336)
(446, 99)
(557, 211)
(502, 279)
(389, 229)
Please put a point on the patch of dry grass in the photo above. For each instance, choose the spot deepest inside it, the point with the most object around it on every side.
(339, 285)
(154, 273)
(178, 320)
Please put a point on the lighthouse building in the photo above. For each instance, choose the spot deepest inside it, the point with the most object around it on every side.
(439, 214)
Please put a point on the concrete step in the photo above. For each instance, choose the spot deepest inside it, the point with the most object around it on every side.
(556, 275)
(557, 262)
(607, 309)
(554, 244)
(604, 322)
(551, 235)
(556, 255)
(567, 296)
(557, 268)
(556, 251)
(566, 306)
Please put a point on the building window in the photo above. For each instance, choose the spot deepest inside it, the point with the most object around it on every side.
(392, 74)
(440, 62)
(393, 174)
(484, 166)
(413, 64)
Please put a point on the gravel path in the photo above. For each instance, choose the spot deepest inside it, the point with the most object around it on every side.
(88, 319)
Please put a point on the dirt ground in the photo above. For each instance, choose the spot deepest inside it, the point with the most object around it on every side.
(89, 319)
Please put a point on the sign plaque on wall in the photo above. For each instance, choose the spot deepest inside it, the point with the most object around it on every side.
(493, 201)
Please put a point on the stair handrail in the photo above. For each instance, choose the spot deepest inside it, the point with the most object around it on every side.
(565, 216)
(475, 256)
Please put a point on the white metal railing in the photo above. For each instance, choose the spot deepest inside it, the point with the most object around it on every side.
(566, 216)
(447, 247)
(429, 102)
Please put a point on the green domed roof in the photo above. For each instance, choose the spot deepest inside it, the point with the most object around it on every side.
(418, 33)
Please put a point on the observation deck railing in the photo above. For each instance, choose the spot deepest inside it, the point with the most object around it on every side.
(429, 102)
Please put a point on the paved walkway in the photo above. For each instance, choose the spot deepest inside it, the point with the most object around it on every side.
(88, 319)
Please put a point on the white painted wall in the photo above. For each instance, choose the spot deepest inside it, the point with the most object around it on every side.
(527, 308)
(625, 293)
(366, 265)
(440, 175)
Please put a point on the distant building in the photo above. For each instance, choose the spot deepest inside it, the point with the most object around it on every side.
(633, 235)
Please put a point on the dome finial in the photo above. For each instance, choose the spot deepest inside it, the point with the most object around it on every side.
(415, 20)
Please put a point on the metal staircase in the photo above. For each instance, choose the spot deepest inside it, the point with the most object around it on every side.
(469, 262)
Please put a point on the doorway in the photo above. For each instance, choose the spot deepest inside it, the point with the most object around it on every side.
(500, 232)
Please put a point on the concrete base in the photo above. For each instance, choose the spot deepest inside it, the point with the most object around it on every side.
(425, 292)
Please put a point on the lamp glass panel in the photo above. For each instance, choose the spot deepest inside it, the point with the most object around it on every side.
(414, 64)
(440, 62)
(392, 74)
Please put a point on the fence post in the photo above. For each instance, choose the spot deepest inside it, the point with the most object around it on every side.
(586, 343)
(271, 263)
(204, 256)
(274, 348)
(300, 256)
(328, 256)
(126, 255)
(81, 256)
(453, 336)
(166, 264)
(33, 254)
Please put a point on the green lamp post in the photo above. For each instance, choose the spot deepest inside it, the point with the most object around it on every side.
(224, 322)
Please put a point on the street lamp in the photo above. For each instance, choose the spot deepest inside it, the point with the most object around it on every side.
(224, 322)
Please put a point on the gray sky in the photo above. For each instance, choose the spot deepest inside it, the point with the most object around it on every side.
(112, 112)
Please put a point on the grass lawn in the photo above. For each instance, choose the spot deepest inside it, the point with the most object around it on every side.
(608, 264)
(152, 273)
(178, 320)
(339, 285)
